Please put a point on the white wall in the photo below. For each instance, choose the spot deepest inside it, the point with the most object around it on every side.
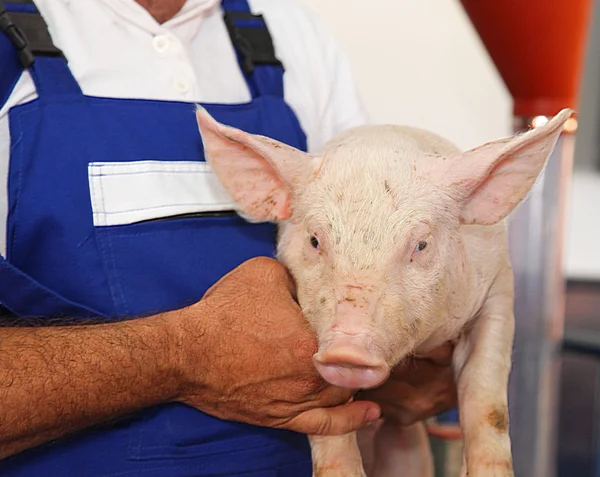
(582, 252)
(421, 62)
(583, 232)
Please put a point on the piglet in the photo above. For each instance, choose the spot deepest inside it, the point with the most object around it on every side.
(397, 242)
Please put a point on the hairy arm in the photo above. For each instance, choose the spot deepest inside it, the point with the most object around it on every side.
(59, 379)
(55, 380)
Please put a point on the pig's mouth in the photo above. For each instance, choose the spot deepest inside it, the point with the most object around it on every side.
(349, 361)
(353, 377)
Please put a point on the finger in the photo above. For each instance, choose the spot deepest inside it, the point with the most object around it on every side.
(417, 410)
(335, 421)
(423, 373)
(334, 396)
(395, 390)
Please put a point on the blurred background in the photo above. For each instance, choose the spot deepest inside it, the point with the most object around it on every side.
(473, 71)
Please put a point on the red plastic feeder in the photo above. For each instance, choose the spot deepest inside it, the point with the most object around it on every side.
(538, 48)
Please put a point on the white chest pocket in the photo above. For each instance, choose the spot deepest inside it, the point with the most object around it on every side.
(128, 192)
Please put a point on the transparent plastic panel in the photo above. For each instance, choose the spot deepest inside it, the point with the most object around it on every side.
(536, 234)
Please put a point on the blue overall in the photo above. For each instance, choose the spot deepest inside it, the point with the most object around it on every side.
(58, 264)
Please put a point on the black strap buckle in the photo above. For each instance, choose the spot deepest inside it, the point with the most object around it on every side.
(253, 43)
(29, 34)
(17, 38)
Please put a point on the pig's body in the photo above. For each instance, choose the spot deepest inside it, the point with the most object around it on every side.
(485, 253)
(360, 193)
(397, 243)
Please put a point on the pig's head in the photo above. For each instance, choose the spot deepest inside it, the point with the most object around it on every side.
(370, 229)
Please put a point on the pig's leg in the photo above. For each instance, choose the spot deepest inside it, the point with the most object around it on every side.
(401, 451)
(482, 361)
(336, 456)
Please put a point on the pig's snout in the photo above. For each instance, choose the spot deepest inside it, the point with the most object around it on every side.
(347, 362)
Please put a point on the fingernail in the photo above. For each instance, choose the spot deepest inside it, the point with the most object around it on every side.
(373, 414)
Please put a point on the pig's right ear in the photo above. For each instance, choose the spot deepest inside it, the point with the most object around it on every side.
(491, 180)
(261, 174)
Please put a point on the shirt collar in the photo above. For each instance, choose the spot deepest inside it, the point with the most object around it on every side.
(186, 21)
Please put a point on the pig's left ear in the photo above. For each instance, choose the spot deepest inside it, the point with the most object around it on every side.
(491, 180)
(261, 174)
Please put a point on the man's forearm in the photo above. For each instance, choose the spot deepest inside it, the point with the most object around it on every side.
(55, 380)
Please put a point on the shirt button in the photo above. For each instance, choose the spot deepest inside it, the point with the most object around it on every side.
(181, 85)
(161, 43)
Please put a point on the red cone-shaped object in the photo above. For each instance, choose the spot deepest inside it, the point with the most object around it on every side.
(538, 47)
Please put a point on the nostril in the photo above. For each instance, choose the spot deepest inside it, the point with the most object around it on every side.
(350, 361)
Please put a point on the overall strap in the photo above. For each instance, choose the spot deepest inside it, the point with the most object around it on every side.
(254, 47)
(25, 43)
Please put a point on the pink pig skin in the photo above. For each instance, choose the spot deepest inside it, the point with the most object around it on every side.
(397, 242)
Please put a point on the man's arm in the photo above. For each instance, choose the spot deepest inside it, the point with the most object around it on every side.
(56, 380)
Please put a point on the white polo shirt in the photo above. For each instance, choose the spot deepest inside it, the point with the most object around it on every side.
(116, 49)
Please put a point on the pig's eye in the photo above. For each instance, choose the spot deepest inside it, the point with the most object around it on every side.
(422, 245)
(314, 241)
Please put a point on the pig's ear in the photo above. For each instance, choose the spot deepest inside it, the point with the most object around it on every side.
(261, 174)
(491, 180)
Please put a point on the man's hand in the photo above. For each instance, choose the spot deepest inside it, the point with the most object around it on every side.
(242, 353)
(418, 388)
(256, 364)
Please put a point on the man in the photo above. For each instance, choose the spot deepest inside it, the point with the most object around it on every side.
(111, 214)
